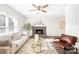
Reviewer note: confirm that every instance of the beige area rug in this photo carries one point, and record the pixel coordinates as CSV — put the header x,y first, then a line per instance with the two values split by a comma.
x,y
27,49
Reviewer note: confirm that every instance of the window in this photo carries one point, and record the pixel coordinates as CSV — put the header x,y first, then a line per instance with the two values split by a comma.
x,y
11,25
7,24
2,23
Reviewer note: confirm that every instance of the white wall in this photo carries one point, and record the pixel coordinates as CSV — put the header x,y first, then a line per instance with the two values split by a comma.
x,y
6,9
51,19
72,20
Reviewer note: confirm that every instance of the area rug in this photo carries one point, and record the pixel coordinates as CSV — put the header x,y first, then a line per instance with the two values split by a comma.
x,y
27,49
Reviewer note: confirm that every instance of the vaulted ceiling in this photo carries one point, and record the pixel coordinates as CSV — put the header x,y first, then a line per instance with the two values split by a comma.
x,y
53,9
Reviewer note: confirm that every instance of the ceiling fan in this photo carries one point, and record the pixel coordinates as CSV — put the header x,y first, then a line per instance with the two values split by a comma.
x,y
39,8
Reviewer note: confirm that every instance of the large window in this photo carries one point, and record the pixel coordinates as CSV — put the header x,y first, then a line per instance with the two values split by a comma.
x,y
7,24
11,25
2,23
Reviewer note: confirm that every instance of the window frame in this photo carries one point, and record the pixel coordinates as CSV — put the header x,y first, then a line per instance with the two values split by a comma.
x,y
7,27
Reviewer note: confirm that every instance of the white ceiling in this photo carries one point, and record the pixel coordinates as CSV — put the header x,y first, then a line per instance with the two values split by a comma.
x,y
53,9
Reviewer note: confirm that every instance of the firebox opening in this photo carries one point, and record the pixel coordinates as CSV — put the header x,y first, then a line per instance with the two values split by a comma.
x,y
39,31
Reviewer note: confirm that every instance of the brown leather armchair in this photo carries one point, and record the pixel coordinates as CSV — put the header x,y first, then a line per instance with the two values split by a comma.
x,y
65,41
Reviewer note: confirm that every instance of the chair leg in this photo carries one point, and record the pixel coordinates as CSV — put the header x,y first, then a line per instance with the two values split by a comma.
x,y
76,51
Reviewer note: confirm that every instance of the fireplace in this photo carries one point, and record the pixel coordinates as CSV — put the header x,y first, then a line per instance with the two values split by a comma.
x,y
41,30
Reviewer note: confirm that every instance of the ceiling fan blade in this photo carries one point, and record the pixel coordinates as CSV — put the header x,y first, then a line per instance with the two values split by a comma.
x,y
45,6
44,11
34,5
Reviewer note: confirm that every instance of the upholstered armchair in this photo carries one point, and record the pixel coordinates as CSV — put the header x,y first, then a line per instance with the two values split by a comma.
x,y
65,41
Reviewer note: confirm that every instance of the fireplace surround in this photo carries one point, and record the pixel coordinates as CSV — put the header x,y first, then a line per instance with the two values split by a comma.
x,y
41,30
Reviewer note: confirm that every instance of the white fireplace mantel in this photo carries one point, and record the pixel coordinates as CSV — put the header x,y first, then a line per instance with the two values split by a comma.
x,y
39,25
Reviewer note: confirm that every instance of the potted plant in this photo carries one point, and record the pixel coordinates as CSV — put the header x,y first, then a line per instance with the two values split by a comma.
x,y
27,27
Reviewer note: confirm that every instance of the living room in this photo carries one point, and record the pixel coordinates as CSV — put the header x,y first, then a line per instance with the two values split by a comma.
x,y
22,25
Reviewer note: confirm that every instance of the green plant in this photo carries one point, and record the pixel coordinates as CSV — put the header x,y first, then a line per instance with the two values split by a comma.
x,y
27,26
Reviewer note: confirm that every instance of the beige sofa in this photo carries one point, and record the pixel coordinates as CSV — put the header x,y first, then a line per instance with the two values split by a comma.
x,y
15,44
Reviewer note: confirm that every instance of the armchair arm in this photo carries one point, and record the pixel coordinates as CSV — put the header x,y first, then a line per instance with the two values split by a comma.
x,y
5,49
56,40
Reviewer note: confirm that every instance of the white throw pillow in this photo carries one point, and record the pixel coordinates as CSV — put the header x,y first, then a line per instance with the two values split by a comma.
x,y
24,33
16,36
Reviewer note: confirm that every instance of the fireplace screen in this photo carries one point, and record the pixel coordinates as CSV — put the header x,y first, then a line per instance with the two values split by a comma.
x,y
39,31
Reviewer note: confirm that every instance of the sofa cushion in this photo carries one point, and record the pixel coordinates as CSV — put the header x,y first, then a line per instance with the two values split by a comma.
x,y
16,36
67,40
5,41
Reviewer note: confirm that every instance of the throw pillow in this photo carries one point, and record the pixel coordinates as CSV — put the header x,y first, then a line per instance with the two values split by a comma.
x,y
24,33
16,36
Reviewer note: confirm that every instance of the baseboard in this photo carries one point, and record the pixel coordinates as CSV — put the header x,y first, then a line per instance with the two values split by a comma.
x,y
47,36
